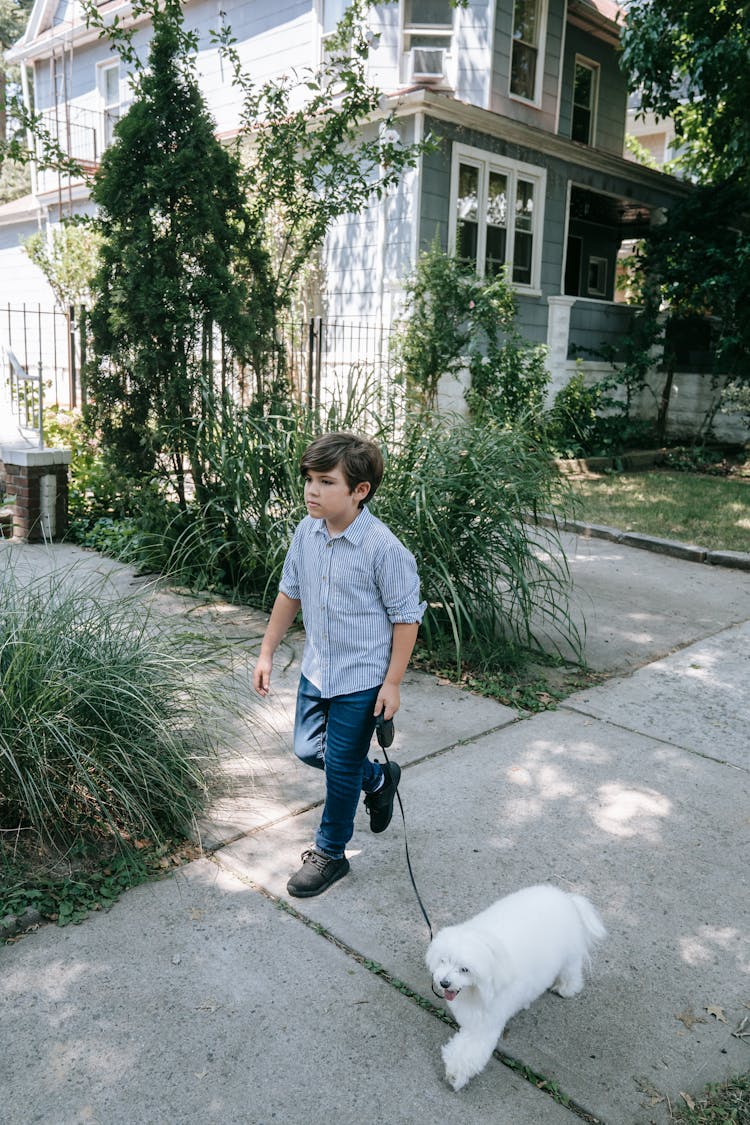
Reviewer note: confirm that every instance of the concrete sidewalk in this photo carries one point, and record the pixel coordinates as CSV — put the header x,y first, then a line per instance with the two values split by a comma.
x,y
198,1000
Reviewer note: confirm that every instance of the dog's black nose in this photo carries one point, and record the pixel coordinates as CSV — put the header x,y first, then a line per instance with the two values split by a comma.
x,y
445,983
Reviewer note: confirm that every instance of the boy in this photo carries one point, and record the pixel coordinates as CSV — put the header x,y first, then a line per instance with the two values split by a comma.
x,y
358,588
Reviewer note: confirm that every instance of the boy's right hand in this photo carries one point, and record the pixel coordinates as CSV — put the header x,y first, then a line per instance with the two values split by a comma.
x,y
262,675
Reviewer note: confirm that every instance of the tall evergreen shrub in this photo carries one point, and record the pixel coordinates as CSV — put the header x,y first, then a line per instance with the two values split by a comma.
x,y
181,256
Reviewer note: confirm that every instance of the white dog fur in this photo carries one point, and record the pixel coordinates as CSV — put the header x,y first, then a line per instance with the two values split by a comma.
x,y
493,965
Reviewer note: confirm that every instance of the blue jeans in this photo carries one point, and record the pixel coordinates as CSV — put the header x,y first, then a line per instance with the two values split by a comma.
x,y
334,735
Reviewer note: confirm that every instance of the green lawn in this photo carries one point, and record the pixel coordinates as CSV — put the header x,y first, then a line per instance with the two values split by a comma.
x,y
709,511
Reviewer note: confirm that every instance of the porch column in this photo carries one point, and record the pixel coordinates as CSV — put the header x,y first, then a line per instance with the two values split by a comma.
x,y
558,331
37,479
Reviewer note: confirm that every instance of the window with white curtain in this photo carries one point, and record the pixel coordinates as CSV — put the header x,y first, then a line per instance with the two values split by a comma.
x,y
497,209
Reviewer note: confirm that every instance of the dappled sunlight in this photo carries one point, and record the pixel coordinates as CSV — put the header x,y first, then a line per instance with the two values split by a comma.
x,y
706,667
624,811
548,781
580,558
703,947
637,638
545,775
538,782
60,979
98,1062
581,750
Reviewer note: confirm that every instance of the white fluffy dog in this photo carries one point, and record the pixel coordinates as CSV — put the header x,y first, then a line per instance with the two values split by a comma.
x,y
493,965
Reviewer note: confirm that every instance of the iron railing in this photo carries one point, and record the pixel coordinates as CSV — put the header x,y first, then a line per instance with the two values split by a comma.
x,y
26,395
343,362
45,341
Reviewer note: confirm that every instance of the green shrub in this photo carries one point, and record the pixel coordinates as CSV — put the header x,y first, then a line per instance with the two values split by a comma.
x,y
457,491
573,418
459,494
97,488
456,320
105,728
588,421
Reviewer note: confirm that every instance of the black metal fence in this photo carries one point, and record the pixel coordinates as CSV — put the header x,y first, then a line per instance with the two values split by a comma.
x,y
335,360
325,360
46,345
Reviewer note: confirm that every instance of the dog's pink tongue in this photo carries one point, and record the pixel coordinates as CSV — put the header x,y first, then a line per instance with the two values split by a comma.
x,y
449,995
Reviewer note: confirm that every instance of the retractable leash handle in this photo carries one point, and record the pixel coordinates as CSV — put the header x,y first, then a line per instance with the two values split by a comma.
x,y
385,731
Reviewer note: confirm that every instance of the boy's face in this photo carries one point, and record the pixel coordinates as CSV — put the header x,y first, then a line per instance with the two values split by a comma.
x,y
328,497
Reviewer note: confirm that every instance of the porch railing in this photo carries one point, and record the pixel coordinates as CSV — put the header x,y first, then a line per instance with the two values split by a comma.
x,y
26,393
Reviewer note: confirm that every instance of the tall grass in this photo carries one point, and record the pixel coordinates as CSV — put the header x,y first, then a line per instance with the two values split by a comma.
x,y
105,729
460,496
456,491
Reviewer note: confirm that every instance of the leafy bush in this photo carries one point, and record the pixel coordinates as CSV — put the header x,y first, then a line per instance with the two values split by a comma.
x,y
509,376
104,727
456,320
588,421
435,336
98,489
574,418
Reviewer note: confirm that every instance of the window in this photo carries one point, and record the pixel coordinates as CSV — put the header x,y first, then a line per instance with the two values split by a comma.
x,y
428,26
526,49
109,89
332,11
585,89
597,279
497,210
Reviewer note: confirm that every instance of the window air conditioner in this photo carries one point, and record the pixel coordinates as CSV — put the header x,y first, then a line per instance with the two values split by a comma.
x,y
427,64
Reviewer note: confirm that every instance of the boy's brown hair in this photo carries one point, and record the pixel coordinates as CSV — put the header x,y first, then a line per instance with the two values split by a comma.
x,y
359,458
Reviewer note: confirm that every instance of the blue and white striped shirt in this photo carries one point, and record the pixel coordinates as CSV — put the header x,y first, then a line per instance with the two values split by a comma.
x,y
354,587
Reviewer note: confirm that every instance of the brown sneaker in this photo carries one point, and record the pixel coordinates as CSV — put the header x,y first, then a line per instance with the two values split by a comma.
x,y
317,873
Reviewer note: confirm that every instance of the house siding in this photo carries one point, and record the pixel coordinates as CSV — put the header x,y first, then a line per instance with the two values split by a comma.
x,y
472,52
594,322
612,99
367,256
544,115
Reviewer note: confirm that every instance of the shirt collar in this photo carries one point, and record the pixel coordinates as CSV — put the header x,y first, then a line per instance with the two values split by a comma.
x,y
356,530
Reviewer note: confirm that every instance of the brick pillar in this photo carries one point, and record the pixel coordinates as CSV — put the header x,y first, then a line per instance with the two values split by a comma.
x,y
38,479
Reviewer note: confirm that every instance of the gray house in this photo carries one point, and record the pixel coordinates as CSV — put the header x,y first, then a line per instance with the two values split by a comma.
x,y
524,96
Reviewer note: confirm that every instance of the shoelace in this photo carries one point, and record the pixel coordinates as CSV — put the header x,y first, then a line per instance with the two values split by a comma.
x,y
317,858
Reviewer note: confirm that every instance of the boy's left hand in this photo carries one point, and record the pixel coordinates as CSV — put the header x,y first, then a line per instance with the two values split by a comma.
x,y
388,700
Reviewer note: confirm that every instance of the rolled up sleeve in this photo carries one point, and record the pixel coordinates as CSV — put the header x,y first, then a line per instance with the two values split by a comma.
x,y
398,582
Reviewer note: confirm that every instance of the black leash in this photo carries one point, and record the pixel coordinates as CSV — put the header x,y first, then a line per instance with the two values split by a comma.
x,y
385,731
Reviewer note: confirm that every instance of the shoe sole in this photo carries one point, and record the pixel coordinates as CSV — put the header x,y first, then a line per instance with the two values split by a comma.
x,y
319,890
394,767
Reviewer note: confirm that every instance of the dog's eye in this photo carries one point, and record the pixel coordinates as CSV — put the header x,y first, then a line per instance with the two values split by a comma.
x,y
463,970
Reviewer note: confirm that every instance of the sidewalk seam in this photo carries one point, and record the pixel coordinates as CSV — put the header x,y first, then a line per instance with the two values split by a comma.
x,y
516,1065
211,849
654,738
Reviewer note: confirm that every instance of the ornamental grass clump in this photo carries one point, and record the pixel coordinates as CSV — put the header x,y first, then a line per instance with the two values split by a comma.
x,y
462,495
105,724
